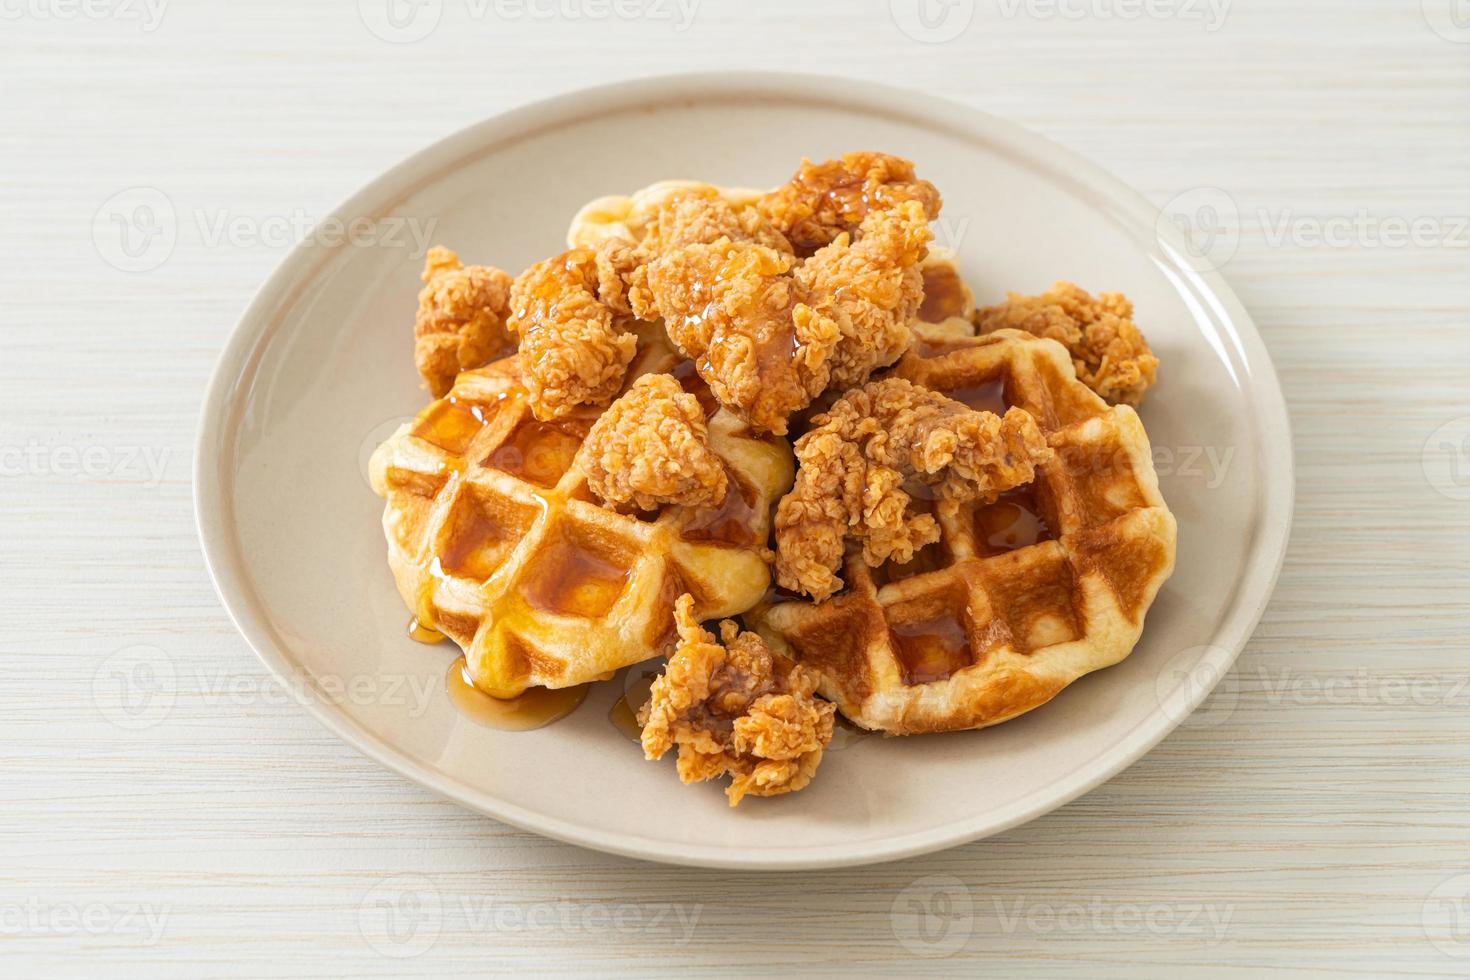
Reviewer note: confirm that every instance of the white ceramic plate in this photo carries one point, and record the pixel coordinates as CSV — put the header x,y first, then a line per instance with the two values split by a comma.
x,y
320,369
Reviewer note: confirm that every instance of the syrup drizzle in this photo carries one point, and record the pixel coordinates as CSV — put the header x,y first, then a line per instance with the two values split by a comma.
x,y
450,424
570,578
932,649
536,708
987,396
538,451
1014,521
944,295
637,683
420,633
732,522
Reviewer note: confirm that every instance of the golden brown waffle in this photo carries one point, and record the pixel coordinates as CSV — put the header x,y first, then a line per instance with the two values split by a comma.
x,y
495,540
948,302
1020,597
627,216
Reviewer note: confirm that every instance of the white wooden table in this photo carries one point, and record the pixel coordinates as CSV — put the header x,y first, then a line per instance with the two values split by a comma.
x,y
1312,819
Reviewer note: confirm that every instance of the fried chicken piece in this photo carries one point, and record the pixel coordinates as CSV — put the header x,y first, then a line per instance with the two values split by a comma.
x,y
461,322
651,447
1107,348
822,200
732,307
768,335
692,216
575,348
871,288
701,215
739,709
865,458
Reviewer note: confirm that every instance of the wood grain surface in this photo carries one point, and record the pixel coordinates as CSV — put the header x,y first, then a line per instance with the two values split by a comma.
x,y
1312,819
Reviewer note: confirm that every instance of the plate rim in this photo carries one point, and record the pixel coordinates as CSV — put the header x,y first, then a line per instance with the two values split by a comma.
x,y
236,368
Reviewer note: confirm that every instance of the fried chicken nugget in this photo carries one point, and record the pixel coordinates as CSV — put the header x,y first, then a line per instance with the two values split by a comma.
x,y
1108,350
823,200
871,289
730,306
864,456
651,447
575,349
738,709
461,321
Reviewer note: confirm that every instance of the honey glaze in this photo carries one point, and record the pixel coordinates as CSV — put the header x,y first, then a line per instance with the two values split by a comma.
x,y
731,523
537,451
420,633
1013,521
536,708
987,396
637,685
451,424
932,649
571,579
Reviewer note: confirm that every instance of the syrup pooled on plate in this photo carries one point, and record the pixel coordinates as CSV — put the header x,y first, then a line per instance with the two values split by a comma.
x,y
536,708
637,684
420,633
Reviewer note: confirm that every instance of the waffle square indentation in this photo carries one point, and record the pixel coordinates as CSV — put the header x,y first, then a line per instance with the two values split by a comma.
x,y
577,572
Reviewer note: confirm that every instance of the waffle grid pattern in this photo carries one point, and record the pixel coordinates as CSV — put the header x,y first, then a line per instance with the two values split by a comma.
x,y
1020,597
495,540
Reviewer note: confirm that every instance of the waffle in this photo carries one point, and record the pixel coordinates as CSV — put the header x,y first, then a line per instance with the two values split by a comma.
x,y
949,305
626,216
1020,597
495,540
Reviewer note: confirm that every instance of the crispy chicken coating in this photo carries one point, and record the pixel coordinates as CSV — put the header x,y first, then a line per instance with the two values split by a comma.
x,y
1107,348
738,709
575,348
691,216
702,215
822,200
871,289
867,456
732,307
651,447
461,322
768,334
